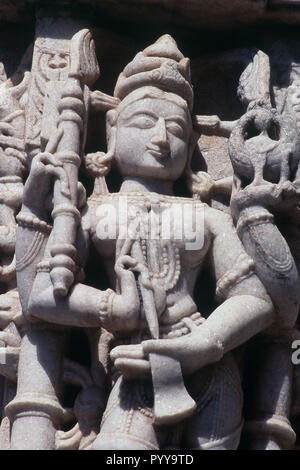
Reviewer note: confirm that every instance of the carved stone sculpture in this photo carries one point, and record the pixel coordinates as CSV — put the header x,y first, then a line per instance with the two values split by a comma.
x,y
151,139
159,365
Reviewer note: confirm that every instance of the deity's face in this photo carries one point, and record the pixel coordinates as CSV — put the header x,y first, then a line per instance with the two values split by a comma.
x,y
152,139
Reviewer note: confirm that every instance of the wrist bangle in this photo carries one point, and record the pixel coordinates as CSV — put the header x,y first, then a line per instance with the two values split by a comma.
x,y
106,306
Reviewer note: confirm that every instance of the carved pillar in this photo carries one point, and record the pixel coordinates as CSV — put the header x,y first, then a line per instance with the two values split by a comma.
x,y
36,411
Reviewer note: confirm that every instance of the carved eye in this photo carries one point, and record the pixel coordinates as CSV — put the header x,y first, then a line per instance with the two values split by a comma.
x,y
176,130
143,122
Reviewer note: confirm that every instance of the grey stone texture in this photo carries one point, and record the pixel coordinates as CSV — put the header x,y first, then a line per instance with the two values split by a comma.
x,y
149,225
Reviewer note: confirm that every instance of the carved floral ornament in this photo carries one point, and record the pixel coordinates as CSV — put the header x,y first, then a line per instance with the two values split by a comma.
x,y
162,374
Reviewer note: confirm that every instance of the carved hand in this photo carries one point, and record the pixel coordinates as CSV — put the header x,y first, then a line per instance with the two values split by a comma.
x,y
272,196
126,305
44,167
193,351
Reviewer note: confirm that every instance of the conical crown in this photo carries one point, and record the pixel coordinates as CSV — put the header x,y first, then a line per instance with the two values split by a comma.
x,y
161,65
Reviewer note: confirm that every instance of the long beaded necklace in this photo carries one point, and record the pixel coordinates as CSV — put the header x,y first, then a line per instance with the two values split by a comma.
x,y
161,255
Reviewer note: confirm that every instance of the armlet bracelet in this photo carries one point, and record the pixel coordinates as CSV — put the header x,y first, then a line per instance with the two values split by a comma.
x,y
31,221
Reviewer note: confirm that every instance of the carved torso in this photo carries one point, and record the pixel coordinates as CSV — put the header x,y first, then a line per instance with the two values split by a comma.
x,y
173,263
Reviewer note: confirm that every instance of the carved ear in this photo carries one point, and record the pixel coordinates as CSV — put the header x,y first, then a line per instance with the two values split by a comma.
x,y
254,85
98,164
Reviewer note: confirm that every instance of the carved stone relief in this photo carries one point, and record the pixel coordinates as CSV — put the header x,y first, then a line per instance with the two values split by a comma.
x,y
160,315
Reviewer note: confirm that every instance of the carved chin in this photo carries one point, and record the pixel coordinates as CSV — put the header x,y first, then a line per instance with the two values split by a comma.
x,y
150,166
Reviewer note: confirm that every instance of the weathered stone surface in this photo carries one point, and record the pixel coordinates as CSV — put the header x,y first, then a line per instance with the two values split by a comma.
x,y
149,225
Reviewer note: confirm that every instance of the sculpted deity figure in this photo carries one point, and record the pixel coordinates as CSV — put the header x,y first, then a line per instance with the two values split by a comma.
x,y
176,383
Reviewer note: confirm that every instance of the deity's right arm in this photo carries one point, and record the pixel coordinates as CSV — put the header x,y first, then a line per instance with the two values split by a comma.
x,y
33,226
34,221
84,306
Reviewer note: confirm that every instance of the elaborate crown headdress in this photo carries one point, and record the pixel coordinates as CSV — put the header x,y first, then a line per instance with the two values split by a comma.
x,y
160,65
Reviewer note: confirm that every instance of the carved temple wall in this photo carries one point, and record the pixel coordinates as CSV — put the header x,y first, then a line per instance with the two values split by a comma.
x,y
58,98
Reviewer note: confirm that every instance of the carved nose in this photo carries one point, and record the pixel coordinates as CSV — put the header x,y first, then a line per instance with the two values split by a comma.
x,y
57,62
160,137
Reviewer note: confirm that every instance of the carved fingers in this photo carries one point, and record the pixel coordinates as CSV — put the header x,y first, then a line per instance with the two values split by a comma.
x,y
131,361
44,167
203,184
125,262
271,196
195,350
123,267
253,195
178,348
126,306
55,168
